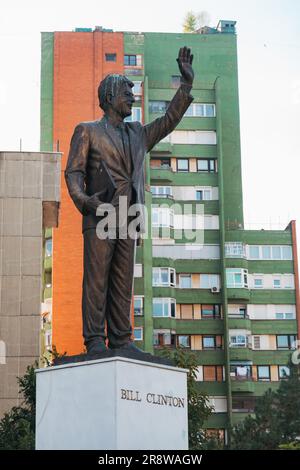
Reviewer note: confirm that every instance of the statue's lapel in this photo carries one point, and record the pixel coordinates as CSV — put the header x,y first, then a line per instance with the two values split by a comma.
x,y
113,136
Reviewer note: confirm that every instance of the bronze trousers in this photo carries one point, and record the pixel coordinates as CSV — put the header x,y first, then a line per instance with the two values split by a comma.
x,y
107,289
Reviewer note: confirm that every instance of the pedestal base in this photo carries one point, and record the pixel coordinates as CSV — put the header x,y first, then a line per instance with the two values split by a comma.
x,y
115,403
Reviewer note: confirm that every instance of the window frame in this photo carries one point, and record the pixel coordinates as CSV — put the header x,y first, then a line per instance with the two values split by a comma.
x,y
210,168
264,379
111,54
188,165
169,301
138,328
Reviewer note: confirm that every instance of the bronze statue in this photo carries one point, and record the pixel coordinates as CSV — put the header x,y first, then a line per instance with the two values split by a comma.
x,y
122,146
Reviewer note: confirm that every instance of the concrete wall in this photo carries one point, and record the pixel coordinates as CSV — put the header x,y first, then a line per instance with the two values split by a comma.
x,y
27,182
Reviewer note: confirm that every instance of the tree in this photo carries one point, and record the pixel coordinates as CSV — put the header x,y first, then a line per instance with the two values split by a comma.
x,y
277,418
193,21
17,427
190,22
199,408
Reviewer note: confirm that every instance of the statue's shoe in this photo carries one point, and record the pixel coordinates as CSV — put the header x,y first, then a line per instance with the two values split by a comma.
x,y
96,348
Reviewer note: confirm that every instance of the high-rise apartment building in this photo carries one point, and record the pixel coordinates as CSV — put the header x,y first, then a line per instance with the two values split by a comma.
x,y
231,297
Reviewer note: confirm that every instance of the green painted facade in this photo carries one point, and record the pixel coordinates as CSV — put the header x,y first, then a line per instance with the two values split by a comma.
x,y
216,81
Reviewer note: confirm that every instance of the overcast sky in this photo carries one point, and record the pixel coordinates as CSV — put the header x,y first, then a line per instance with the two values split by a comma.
x,y
269,81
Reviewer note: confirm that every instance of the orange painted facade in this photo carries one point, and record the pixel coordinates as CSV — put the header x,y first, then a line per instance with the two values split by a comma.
x,y
79,66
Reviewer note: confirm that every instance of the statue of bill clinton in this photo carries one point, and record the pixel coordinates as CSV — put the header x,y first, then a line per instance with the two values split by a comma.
x,y
116,150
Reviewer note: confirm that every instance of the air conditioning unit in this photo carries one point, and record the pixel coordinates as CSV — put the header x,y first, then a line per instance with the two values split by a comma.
x,y
215,290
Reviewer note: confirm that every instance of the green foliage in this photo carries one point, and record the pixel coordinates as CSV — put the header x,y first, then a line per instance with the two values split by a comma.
x,y
17,427
193,21
277,418
199,408
190,22
290,446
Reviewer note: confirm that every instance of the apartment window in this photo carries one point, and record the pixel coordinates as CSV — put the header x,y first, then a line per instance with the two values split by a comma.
x,y
286,341
137,88
254,252
270,252
286,252
111,57
160,163
266,252
235,250
136,115
236,278
238,341
210,311
203,194
164,277
132,60
201,110
285,316
163,307
163,338
138,334
277,283
138,306
237,311
213,373
162,217
207,281
206,166
283,372
185,281
263,373
256,342
240,371
158,107
184,341
208,342
258,282
161,191
48,247
138,270
243,404
182,164
175,81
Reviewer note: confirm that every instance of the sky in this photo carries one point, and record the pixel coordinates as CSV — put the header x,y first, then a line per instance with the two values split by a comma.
x,y
269,81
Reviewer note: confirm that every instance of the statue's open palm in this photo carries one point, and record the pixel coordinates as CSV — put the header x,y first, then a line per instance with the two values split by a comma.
x,y
185,60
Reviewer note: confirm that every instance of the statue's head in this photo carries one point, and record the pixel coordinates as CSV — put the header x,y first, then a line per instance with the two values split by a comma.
x,y
115,91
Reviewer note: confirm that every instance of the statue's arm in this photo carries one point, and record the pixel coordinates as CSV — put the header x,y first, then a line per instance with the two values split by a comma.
x,y
76,167
161,127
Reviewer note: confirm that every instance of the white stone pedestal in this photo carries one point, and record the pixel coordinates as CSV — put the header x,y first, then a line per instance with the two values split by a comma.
x,y
114,403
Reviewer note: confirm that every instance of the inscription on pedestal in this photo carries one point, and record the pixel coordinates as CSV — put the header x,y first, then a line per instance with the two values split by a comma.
x,y
152,398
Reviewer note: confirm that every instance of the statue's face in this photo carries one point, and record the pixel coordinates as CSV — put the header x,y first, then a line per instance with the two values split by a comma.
x,y
123,101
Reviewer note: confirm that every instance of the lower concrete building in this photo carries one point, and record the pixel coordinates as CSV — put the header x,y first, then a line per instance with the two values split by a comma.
x,y
29,204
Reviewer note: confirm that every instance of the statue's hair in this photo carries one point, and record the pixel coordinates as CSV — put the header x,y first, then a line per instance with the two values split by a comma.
x,y
111,84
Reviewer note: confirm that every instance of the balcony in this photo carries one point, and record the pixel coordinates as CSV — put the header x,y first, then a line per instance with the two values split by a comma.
x,y
241,354
242,384
162,174
238,294
239,322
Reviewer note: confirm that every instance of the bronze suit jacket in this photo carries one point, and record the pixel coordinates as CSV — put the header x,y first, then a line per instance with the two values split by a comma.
x,y
95,140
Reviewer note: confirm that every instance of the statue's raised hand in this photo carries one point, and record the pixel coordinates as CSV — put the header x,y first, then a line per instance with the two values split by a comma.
x,y
185,60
